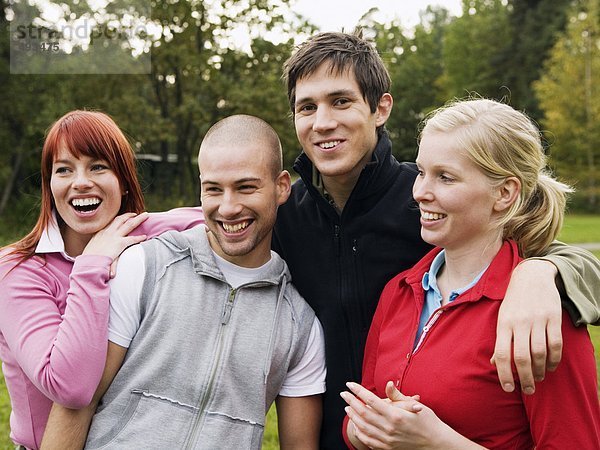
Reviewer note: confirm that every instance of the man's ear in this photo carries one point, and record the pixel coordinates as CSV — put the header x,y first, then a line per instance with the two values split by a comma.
x,y
284,187
384,109
508,192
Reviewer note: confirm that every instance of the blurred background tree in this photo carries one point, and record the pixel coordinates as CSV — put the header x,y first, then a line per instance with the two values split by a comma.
x,y
569,95
210,59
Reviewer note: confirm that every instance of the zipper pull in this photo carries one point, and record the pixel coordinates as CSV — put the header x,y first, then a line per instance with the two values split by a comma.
x,y
432,320
228,308
336,238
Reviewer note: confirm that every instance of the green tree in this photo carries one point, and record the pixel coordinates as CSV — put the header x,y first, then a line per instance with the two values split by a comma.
x,y
414,61
569,96
474,51
21,122
200,74
416,80
534,28
209,59
251,84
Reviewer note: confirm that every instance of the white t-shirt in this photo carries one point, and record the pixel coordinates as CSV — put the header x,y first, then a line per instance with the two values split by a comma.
x,y
306,378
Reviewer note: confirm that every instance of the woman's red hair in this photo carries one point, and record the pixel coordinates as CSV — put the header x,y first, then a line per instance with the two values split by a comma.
x,y
88,133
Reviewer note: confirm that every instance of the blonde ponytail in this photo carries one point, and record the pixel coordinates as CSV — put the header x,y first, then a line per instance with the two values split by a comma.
x,y
537,223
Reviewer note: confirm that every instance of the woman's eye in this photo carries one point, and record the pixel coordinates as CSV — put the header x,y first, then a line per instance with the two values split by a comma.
x,y
61,170
97,167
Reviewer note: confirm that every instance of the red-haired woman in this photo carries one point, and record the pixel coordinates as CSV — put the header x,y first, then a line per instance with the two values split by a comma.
x,y
54,282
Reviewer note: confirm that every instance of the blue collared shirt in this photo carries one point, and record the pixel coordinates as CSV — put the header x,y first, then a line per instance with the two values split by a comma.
x,y
433,297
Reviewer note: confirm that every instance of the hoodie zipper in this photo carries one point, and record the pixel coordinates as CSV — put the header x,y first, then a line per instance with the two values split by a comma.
x,y
204,401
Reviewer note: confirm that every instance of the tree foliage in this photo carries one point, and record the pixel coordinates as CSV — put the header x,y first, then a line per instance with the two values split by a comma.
x,y
474,50
414,61
534,28
569,96
210,59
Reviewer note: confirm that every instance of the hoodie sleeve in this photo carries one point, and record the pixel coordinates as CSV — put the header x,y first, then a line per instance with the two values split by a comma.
x,y
62,354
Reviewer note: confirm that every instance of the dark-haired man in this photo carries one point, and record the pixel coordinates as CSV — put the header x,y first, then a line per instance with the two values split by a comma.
x,y
351,224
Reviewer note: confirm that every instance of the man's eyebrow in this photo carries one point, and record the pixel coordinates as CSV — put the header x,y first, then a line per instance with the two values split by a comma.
x,y
247,180
240,181
337,93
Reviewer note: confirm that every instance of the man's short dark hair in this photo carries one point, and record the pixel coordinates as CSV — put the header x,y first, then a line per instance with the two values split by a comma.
x,y
343,52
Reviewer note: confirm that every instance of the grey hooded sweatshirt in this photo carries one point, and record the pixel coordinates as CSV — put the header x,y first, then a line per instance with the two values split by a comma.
x,y
207,360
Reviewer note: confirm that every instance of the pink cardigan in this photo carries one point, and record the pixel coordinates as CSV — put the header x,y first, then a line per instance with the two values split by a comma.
x,y
53,325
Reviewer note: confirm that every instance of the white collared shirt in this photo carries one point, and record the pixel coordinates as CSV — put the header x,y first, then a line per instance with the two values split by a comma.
x,y
51,240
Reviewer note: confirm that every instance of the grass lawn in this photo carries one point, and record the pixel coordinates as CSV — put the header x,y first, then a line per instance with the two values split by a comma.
x,y
580,228
5,442
576,229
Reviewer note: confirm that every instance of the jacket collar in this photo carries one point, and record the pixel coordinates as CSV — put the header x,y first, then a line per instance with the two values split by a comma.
x,y
377,175
196,241
492,284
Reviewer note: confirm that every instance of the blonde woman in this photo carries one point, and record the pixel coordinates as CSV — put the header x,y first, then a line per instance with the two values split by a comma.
x,y
486,201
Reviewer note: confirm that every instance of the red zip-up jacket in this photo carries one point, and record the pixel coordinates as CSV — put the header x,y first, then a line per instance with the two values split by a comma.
x,y
451,371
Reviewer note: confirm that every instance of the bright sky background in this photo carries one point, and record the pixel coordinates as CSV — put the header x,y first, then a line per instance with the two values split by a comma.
x,y
332,15
328,15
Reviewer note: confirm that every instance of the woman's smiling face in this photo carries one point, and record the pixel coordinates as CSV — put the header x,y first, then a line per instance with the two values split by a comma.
x,y
455,197
87,195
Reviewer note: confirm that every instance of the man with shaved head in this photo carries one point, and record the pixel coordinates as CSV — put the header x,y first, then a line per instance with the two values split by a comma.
x,y
206,329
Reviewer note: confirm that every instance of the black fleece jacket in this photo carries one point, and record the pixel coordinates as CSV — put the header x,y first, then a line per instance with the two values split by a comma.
x,y
340,263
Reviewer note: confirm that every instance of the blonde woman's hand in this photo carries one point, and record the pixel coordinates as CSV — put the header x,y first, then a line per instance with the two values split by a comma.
x,y
397,422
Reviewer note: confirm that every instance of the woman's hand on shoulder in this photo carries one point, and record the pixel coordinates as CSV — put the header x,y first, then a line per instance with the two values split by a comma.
x,y
114,238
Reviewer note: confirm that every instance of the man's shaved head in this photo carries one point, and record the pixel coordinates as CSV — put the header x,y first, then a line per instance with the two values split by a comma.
x,y
241,130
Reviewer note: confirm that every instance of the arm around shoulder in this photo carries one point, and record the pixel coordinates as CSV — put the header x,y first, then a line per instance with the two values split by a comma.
x,y
579,272
178,219
530,316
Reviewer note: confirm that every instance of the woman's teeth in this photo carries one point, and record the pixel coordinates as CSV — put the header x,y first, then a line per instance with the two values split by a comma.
x,y
432,216
85,204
